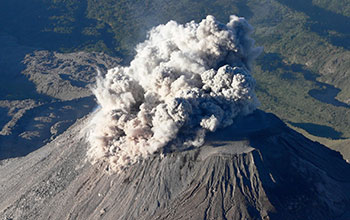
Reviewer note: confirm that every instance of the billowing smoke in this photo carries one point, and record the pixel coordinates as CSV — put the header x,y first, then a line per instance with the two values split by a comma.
x,y
185,80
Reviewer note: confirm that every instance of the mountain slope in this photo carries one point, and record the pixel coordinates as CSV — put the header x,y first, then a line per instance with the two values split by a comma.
x,y
256,169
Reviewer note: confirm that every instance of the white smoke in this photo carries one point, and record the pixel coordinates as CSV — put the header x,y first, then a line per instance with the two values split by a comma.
x,y
185,80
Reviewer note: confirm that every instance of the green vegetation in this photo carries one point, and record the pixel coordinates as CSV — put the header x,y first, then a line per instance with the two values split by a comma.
x,y
55,25
283,90
301,38
339,6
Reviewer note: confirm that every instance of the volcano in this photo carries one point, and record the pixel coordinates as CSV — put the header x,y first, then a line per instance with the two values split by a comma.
x,y
178,135
257,168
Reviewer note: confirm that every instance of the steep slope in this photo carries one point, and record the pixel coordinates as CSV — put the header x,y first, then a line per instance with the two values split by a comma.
x,y
256,169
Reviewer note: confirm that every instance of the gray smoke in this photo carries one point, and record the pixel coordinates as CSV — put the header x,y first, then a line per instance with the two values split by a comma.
x,y
185,80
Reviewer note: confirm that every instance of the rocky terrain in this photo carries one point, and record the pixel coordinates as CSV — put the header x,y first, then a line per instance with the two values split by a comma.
x,y
43,93
65,76
256,169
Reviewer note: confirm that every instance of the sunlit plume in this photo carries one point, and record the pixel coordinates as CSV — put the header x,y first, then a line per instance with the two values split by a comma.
x,y
184,81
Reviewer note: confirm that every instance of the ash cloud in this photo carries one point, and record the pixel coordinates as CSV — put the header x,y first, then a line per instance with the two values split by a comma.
x,y
184,81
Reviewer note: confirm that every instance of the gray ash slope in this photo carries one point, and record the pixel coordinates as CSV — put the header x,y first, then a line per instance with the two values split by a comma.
x,y
256,169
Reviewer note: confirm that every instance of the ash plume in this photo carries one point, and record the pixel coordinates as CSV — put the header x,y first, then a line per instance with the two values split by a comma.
x,y
185,80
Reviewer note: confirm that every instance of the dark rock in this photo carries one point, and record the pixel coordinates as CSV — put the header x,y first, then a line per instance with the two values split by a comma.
x,y
65,76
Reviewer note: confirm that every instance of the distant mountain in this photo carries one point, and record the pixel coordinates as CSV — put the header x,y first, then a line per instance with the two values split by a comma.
x,y
256,169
